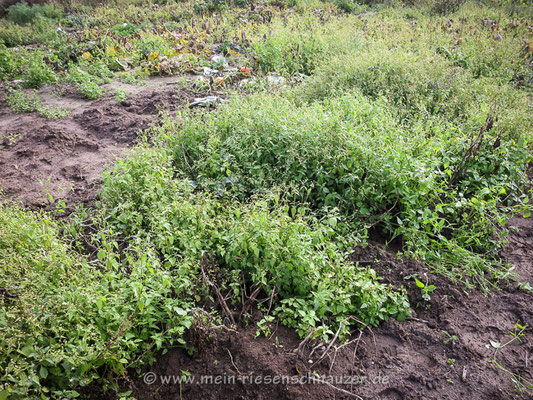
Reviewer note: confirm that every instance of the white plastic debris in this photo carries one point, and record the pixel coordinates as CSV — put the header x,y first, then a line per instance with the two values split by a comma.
x,y
206,71
205,101
275,79
218,59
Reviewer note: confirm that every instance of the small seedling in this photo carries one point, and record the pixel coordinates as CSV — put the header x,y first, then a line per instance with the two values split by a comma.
x,y
264,326
450,338
522,385
120,95
425,288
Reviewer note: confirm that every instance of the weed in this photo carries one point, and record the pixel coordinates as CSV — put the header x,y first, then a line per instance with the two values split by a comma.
x,y
69,305
374,129
53,112
38,74
522,385
425,288
264,326
87,84
449,338
22,13
121,95
21,102
125,29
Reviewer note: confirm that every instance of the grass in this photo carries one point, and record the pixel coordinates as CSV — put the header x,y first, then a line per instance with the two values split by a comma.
x,y
413,120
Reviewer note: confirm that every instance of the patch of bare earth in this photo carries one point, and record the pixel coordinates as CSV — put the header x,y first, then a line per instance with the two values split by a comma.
x,y
65,158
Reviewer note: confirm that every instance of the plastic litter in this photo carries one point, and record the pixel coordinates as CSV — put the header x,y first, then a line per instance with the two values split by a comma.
x,y
205,101
275,79
218,59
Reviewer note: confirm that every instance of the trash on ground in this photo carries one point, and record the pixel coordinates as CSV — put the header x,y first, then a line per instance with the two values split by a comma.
x,y
205,101
275,79
218,59
206,71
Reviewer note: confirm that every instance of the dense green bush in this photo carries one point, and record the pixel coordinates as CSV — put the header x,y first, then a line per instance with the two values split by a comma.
x,y
37,73
85,322
350,153
22,13
40,31
300,45
12,34
262,243
7,64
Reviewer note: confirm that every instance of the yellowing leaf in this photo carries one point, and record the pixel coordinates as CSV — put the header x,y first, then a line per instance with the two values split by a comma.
x,y
153,56
171,53
87,56
110,51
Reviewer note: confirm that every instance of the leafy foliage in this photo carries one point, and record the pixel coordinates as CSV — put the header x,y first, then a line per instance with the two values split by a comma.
x,y
80,318
373,128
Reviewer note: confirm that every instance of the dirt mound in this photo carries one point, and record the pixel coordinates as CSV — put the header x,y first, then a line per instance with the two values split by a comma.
x,y
442,352
520,249
49,160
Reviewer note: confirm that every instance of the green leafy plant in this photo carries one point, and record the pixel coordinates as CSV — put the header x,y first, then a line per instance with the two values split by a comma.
x,y
88,85
81,319
522,385
120,95
22,13
38,74
425,288
21,102
53,112
124,29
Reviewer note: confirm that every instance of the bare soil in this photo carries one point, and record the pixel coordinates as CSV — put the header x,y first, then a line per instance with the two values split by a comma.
x,y
65,158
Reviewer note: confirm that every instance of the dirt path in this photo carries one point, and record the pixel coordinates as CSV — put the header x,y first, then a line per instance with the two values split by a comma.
x,y
65,158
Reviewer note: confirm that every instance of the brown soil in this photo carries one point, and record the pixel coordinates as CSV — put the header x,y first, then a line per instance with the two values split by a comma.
x,y
442,352
65,158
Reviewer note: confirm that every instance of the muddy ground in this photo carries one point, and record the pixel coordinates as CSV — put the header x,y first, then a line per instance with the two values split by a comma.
x,y
65,158
442,352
